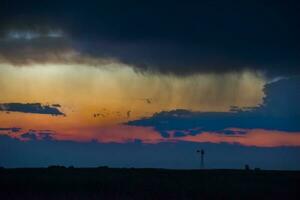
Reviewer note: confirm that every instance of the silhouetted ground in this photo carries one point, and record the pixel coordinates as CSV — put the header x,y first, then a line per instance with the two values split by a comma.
x,y
143,184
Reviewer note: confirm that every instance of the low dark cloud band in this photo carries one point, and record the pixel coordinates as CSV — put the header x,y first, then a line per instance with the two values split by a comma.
x,y
36,108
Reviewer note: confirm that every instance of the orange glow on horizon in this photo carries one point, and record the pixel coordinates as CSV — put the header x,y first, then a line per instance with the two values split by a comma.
x,y
147,135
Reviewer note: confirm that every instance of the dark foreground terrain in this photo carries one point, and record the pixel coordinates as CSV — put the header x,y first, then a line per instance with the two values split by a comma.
x,y
106,183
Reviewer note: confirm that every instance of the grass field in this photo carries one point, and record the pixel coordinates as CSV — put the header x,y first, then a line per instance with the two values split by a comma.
x,y
108,183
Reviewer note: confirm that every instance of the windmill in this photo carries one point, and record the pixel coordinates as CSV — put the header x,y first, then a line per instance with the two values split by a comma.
x,y
202,158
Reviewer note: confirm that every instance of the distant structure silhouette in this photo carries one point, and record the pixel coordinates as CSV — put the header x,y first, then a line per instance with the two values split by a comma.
x,y
247,167
202,158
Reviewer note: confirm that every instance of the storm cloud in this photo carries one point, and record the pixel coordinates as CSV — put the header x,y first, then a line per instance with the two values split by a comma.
x,y
280,110
164,37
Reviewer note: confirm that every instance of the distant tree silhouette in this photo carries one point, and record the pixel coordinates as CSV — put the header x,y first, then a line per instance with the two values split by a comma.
x,y
103,167
56,167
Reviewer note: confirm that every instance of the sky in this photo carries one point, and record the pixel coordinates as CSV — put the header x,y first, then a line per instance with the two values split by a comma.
x,y
147,84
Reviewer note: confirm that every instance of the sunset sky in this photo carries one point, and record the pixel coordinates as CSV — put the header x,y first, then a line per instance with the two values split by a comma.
x,y
130,84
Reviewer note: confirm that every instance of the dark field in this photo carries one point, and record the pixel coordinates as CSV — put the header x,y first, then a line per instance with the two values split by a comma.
x,y
106,183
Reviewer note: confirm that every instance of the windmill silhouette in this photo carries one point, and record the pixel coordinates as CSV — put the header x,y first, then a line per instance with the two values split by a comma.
x,y
202,158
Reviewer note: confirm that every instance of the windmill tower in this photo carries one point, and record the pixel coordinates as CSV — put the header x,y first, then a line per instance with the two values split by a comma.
x,y
201,152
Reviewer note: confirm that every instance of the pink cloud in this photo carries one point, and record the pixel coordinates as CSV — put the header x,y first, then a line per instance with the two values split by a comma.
x,y
124,134
253,137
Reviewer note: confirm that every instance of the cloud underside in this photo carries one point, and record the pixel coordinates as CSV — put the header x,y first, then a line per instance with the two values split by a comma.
x,y
168,37
280,111
35,108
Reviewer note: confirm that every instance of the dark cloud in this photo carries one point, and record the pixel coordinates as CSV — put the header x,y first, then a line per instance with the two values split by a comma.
x,y
161,36
147,100
38,50
12,129
25,48
38,135
29,135
46,135
37,108
103,115
280,111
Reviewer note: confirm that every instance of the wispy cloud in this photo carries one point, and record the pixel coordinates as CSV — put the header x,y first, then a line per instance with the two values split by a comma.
x,y
31,34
